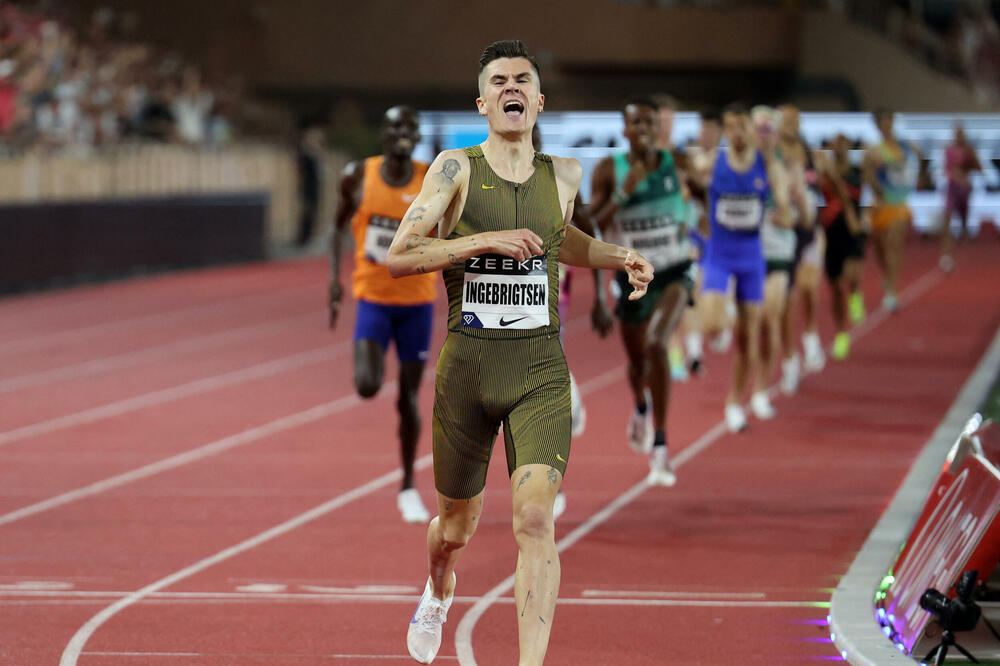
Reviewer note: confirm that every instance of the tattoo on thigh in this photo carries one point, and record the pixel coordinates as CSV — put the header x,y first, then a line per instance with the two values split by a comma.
x,y
553,475
524,477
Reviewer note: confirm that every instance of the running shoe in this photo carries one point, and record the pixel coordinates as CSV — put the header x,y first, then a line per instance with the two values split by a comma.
x,y
791,371
640,428
815,359
760,405
736,418
678,368
841,346
423,637
411,507
856,307
559,505
661,472
720,344
890,303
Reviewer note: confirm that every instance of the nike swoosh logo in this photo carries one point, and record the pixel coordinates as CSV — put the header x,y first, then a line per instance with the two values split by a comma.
x,y
486,187
504,322
560,458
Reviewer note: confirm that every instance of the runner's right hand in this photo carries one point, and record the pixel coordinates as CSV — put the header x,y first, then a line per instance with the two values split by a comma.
x,y
520,244
335,293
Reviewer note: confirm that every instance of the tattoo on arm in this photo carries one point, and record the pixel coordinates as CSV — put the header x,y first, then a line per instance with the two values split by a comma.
x,y
553,475
450,169
455,261
414,241
524,477
416,214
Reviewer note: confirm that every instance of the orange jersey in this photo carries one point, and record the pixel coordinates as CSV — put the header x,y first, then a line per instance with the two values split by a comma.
x,y
373,227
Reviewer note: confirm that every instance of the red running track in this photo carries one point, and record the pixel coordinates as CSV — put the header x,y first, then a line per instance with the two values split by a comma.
x,y
186,477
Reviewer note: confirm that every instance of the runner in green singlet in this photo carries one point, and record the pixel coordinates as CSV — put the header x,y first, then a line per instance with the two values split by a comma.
x,y
494,218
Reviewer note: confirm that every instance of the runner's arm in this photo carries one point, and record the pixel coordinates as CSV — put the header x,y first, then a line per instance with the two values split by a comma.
x,y
414,251
579,249
778,179
350,186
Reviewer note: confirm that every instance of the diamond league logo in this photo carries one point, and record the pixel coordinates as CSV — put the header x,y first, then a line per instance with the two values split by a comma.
x,y
468,318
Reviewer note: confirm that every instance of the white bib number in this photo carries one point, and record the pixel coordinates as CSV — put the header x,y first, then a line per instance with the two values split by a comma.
x,y
378,238
778,242
741,213
500,292
660,240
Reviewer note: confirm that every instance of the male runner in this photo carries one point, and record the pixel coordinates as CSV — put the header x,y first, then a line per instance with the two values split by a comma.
x,y
741,179
778,245
890,169
810,247
500,212
960,161
840,182
701,160
636,197
374,195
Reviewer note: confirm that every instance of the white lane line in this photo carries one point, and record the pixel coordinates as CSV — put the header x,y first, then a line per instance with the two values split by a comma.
x,y
256,655
463,634
268,369
226,443
153,354
210,310
72,651
652,594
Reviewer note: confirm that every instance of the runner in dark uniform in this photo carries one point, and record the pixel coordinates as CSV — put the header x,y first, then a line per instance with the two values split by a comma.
x,y
840,182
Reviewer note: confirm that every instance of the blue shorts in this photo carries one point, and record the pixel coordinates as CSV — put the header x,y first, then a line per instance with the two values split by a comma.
x,y
408,325
749,278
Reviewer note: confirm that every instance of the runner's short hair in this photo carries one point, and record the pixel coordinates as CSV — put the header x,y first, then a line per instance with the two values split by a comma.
x,y
507,48
640,100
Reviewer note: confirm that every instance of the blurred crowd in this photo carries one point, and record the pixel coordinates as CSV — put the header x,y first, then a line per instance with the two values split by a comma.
x,y
960,37
84,84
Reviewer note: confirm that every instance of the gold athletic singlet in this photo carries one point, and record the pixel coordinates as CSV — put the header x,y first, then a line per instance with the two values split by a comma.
x,y
502,362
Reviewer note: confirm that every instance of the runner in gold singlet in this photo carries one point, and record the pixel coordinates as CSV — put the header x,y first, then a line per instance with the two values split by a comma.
x,y
500,212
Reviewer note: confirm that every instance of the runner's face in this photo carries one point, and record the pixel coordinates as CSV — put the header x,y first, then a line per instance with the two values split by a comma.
x,y
789,121
711,133
509,95
885,124
841,147
736,127
400,134
641,126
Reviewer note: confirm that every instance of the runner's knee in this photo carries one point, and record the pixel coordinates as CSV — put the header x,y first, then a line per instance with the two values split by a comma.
x,y
532,522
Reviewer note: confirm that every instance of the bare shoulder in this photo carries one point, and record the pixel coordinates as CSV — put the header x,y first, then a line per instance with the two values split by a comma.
x,y
450,164
568,169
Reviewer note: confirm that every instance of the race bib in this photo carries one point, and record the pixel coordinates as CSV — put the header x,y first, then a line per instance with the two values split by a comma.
x,y
658,239
500,292
378,238
739,212
778,242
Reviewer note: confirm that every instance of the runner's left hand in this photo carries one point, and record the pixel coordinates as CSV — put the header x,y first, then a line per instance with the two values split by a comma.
x,y
640,274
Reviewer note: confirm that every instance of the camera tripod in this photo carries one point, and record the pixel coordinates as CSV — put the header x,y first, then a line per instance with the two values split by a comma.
x,y
941,649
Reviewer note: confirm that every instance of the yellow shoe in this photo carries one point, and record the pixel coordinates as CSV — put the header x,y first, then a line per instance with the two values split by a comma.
x,y
841,346
856,307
